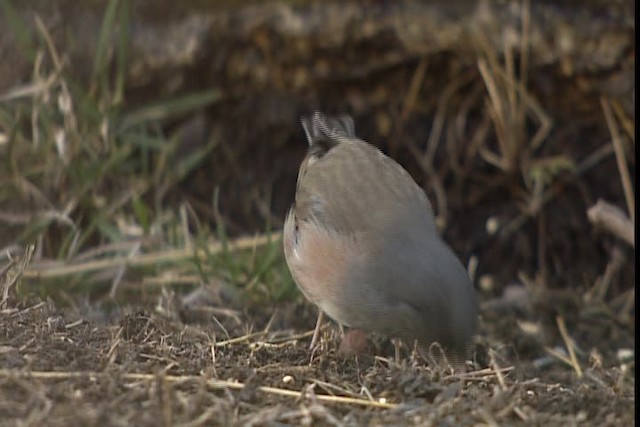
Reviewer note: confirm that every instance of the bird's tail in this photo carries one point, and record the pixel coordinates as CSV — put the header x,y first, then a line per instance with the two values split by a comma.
x,y
319,127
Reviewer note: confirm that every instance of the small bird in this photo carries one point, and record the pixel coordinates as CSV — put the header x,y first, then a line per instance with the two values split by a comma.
x,y
361,244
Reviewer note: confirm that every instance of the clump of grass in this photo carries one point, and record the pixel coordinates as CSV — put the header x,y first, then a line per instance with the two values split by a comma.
x,y
85,176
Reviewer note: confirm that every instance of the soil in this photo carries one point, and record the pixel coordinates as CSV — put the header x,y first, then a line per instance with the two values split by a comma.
x,y
144,366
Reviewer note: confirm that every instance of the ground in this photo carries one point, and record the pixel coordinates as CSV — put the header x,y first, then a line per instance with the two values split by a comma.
x,y
140,366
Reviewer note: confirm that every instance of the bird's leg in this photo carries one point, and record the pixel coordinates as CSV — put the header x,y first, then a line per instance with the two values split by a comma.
x,y
353,343
316,332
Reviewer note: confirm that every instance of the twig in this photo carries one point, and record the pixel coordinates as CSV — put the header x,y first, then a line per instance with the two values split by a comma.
x,y
555,353
525,19
569,344
628,124
612,219
30,89
414,89
551,192
480,375
10,277
238,340
316,331
545,122
217,384
623,169
496,368
497,112
213,360
330,388
426,158
16,313
409,103
600,289
171,279
42,270
292,338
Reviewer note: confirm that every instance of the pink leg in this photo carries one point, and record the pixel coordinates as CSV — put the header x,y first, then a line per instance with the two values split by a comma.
x,y
353,343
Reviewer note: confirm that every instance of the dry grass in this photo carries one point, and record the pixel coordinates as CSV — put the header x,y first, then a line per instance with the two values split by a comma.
x,y
88,211
86,180
179,373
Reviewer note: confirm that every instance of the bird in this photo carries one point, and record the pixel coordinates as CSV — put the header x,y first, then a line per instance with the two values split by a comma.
x,y
361,244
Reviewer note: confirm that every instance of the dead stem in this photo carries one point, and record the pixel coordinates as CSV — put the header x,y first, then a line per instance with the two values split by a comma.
x,y
12,273
601,287
612,219
42,270
551,192
178,379
623,169
627,123
496,369
568,341
408,105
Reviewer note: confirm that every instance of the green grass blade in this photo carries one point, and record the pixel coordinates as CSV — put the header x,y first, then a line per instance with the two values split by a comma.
x,y
142,214
171,108
102,47
122,52
19,28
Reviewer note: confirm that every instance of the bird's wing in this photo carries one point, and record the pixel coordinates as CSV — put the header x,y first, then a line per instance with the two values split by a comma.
x,y
350,186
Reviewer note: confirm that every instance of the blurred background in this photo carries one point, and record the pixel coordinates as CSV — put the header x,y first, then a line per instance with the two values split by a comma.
x,y
144,143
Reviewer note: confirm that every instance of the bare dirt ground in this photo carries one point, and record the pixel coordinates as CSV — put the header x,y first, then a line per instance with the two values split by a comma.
x,y
132,367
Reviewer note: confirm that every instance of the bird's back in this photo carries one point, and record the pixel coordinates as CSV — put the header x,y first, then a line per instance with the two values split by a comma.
x,y
394,274
349,186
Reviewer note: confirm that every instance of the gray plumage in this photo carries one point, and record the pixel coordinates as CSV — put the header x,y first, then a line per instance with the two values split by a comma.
x,y
361,243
